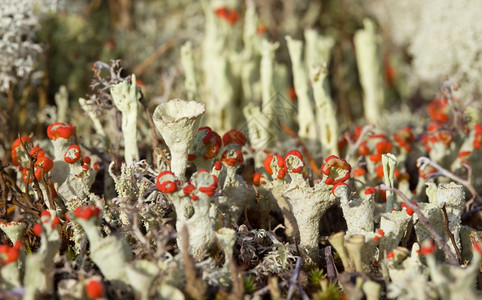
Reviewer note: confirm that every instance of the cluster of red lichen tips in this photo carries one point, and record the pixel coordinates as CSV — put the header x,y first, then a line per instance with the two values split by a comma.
x,y
87,212
10,254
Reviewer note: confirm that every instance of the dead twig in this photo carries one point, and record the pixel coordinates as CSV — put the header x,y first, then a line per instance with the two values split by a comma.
x,y
5,191
451,236
294,281
31,173
146,63
267,288
294,278
331,271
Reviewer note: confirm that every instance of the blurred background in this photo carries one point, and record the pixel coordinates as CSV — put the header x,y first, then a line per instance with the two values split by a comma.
x,y
47,44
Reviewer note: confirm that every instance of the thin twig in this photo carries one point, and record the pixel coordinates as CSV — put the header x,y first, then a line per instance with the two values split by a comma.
x,y
31,173
146,63
13,184
294,278
302,292
27,209
423,162
3,210
408,232
451,236
305,150
331,271
438,239
137,232
265,289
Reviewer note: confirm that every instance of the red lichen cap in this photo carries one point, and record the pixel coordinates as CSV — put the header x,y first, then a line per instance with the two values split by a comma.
x,y
218,165
37,152
206,144
379,171
477,247
275,163
234,137
55,222
477,143
370,190
363,149
43,166
261,29
167,182
337,170
258,179
404,137
292,93
463,154
94,289
9,254
428,248
23,139
72,155
294,161
438,110
24,172
206,184
60,130
17,145
359,172
87,212
212,142
37,229
232,157
408,209
188,188
383,147
228,15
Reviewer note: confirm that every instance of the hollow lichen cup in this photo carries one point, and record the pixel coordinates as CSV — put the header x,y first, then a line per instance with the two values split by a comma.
x,y
177,121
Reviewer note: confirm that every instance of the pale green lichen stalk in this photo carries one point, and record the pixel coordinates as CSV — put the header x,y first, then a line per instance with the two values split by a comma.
x,y
187,61
306,118
177,121
367,43
126,96
454,282
389,162
325,110
307,205
40,265
270,103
